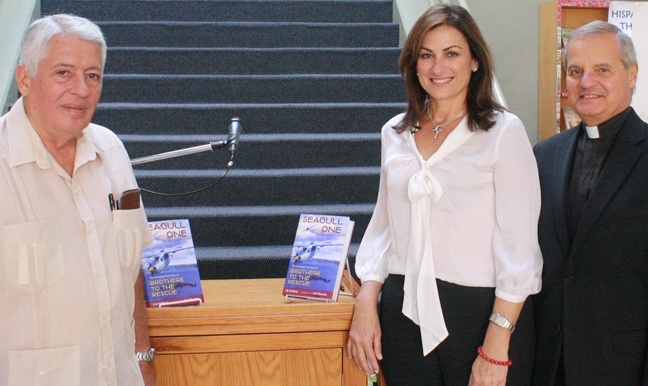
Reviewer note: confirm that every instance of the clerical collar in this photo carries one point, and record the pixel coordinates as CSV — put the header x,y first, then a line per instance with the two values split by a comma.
x,y
609,128
592,132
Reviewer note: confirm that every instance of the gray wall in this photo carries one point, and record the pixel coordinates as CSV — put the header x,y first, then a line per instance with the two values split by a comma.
x,y
511,29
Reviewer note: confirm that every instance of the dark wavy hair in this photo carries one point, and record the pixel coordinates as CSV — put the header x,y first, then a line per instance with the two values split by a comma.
x,y
480,102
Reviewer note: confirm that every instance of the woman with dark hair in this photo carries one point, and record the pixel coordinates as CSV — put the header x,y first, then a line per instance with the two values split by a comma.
x,y
451,249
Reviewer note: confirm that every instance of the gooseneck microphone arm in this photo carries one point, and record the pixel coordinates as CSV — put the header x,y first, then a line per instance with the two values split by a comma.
x,y
235,128
177,153
231,142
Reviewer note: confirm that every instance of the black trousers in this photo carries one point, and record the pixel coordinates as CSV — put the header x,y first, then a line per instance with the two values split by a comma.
x,y
466,311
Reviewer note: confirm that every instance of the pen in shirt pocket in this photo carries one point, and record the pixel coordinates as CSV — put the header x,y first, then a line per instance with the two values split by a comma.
x,y
111,201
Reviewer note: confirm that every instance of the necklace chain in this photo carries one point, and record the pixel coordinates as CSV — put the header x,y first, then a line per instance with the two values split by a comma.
x,y
438,127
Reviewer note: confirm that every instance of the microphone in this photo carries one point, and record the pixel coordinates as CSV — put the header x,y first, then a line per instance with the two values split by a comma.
x,y
235,128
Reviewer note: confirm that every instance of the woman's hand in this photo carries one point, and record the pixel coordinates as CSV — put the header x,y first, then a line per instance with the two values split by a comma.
x,y
496,346
364,345
487,374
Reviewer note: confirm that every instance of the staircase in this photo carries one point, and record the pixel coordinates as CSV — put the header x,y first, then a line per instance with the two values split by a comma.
x,y
312,81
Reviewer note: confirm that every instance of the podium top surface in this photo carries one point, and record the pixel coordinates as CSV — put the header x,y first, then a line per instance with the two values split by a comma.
x,y
246,306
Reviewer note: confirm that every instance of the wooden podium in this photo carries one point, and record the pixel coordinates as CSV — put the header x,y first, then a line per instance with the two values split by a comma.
x,y
247,333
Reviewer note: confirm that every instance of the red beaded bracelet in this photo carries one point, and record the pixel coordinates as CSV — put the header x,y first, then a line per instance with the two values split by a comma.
x,y
491,360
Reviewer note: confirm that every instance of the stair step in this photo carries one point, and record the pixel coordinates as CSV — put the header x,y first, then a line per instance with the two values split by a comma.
x,y
297,151
314,186
374,88
263,262
313,82
267,261
349,11
208,34
189,118
232,226
252,61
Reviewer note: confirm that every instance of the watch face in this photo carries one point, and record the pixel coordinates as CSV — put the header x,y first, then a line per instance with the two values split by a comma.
x,y
502,321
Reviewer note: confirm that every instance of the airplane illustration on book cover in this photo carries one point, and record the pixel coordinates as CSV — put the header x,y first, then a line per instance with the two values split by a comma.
x,y
318,256
170,267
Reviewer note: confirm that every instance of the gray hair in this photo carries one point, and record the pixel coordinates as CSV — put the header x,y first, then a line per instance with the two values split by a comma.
x,y
626,48
39,33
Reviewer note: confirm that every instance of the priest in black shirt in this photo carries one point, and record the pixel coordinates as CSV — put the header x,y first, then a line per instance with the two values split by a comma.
x,y
592,313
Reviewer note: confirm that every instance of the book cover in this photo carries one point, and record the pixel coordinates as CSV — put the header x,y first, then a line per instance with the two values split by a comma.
x,y
169,266
318,257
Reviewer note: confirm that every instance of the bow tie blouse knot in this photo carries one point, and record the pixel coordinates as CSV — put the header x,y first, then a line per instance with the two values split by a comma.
x,y
424,184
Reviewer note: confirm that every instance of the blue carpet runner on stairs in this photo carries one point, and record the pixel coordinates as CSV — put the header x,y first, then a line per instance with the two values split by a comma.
x,y
313,82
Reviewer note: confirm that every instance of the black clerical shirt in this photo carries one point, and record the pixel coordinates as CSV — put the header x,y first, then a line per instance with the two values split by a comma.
x,y
589,159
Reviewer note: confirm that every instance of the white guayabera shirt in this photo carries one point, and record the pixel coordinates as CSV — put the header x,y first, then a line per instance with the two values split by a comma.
x,y
68,264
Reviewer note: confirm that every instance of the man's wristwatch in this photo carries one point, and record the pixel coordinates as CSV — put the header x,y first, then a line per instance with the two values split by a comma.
x,y
146,356
502,321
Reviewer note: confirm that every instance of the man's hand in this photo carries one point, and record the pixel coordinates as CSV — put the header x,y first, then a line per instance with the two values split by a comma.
x,y
142,342
148,373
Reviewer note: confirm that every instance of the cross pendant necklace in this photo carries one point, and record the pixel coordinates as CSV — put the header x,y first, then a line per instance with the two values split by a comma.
x,y
438,127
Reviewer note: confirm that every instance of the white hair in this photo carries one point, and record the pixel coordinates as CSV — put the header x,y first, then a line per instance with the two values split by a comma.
x,y
34,47
626,48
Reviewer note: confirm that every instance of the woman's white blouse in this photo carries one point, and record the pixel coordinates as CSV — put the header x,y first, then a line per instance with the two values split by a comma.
x,y
467,215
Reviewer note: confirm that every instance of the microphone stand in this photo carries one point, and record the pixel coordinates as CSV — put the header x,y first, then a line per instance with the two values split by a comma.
x,y
234,128
190,150
177,153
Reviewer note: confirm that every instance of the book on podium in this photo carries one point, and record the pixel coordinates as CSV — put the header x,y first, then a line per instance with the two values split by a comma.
x,y
170,267
319,257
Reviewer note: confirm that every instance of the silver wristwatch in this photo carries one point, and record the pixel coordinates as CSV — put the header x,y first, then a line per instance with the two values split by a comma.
x,y
502,321
146,356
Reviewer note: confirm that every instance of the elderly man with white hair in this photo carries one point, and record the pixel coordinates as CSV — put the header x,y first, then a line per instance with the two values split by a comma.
x,y
71,291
